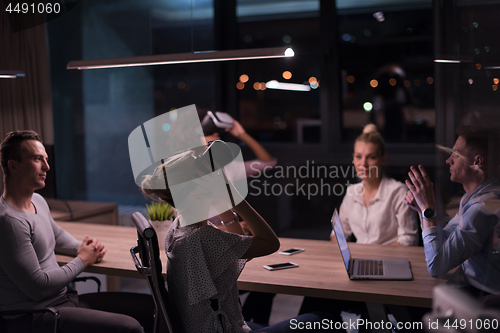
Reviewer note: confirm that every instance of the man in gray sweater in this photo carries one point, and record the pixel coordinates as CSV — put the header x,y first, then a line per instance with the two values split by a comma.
x,y
30,276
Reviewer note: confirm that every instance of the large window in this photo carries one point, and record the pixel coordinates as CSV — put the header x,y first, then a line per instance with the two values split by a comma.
x,y
384,71
279,114
479,71
385,54
386,59
182,28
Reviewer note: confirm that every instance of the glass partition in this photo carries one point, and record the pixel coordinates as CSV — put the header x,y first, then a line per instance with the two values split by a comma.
x,y
387,70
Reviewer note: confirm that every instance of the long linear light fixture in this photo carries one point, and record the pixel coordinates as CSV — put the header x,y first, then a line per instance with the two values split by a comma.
x,y
273,84
447,61
183,58
452,60
11,74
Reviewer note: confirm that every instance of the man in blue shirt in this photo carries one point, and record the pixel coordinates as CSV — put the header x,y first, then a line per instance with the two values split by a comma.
x,y
467,241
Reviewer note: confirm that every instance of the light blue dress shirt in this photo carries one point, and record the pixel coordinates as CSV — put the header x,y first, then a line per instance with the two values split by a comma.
x,y
467,240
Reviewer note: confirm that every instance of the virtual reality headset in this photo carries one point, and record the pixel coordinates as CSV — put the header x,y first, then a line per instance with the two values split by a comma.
x,y
216,122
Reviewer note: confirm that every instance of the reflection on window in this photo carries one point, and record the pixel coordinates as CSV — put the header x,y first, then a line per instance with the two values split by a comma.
x,y
387,69
182,27
479,77
278,100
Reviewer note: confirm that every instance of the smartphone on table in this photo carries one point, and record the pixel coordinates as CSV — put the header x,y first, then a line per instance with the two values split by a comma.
x,y
285,265
291,251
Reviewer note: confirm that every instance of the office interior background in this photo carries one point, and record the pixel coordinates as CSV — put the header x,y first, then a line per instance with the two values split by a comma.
x,y
434,63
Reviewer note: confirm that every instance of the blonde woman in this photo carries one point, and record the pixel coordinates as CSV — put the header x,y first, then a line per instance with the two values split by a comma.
x,y
373,210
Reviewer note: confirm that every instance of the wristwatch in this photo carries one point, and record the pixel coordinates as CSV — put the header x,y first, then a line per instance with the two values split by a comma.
x,y
428,213
235,219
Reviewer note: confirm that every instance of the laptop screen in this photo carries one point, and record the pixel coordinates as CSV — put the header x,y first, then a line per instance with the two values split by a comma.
x,y
341,240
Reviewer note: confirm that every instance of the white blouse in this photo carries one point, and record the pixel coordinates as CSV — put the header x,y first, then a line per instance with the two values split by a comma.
x,y
385,220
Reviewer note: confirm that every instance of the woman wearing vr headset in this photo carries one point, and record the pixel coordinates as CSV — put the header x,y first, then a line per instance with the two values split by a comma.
x,y
204,262
216,124
258,305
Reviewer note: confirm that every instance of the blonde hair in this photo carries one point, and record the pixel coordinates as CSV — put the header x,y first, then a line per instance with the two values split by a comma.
x,y
156,187
371,135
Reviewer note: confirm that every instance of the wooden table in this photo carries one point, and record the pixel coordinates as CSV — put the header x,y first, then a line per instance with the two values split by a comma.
x,y
320,273
87,212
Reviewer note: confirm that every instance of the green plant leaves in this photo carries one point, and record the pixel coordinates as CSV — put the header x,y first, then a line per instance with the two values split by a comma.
x,y
160,211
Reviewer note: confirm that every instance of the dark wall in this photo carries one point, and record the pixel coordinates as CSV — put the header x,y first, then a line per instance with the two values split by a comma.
x,y
95,110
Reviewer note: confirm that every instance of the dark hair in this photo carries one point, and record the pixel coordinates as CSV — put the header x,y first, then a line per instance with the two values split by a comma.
x,y
483,141
476,138
10,148
371,135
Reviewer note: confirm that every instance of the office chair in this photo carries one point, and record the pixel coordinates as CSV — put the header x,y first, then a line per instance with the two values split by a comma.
x,y
150,266
51,310
84,279
455,311
54,312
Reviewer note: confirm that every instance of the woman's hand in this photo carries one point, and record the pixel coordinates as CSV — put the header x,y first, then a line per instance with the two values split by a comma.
x,y
237,130
421,188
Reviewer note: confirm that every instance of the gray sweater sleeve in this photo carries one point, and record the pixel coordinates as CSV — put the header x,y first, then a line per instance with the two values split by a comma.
x,y
28,258
65,242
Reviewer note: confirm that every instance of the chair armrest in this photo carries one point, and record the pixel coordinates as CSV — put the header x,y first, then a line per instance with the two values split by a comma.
x,y
54,312
20,312
146,271
93,278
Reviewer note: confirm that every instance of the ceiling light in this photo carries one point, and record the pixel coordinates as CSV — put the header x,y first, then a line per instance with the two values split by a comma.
x,y
447,61
11,74
273,84
452,59
183,58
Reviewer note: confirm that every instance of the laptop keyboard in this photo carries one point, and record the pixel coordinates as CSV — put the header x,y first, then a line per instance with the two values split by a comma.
x,y
370,267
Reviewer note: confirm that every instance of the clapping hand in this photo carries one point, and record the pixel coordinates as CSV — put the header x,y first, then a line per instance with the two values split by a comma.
x,y
421,193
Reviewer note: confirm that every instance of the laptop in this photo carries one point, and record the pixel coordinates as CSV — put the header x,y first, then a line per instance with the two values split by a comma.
x,y
372,269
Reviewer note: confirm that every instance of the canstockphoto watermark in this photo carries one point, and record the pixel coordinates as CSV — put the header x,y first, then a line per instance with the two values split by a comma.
x,y
327,324
306,180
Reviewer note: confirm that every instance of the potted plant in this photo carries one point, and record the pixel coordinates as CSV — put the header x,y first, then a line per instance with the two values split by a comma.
x,y
161,216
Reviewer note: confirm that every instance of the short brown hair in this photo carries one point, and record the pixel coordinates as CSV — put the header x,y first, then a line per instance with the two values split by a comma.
x,y
10,148
483,141
476,138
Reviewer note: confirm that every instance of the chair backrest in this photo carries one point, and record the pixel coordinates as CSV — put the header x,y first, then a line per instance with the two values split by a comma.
x,y
451,306
150,266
